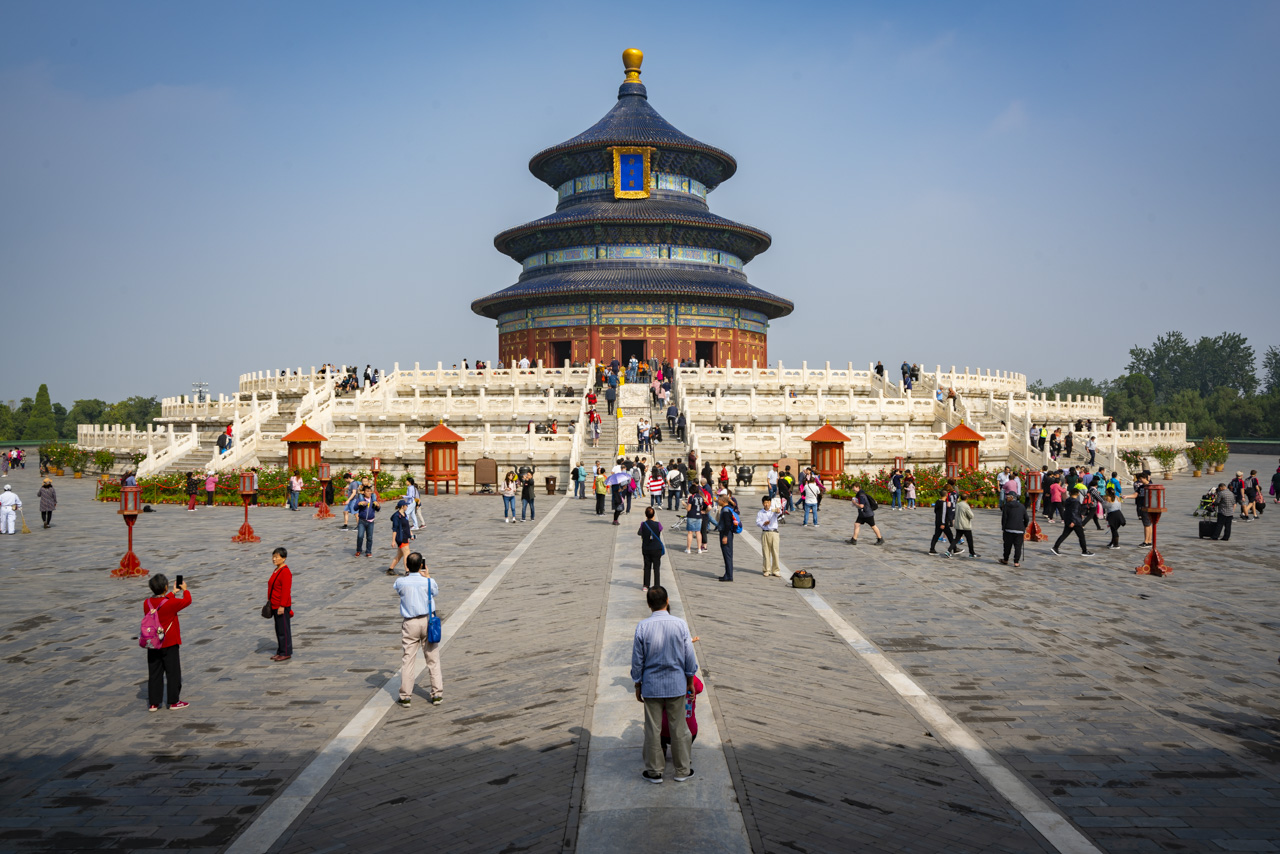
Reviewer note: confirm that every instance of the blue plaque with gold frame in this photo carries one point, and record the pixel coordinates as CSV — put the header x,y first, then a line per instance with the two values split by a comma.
x,y
631,172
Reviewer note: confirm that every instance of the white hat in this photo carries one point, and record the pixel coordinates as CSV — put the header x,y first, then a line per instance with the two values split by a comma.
x,y
8,488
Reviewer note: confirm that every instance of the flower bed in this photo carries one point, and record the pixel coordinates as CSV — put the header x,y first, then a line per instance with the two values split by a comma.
x,y
273,487
976,485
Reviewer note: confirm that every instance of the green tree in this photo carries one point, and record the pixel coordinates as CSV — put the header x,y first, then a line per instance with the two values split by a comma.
x,y
1072,385
85,412
1224,361
20,415
1133,399
60,422
6,423
1167,363
1188,407
1241,416
1271,370
41,425
135,410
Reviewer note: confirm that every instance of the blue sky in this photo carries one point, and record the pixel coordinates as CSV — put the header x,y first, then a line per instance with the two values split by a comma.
x,y
215,188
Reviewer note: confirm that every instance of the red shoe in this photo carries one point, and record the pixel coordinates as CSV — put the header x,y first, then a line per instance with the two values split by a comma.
x,y
181,705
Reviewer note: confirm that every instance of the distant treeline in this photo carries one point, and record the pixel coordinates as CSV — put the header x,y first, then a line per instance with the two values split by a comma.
x,y
37,419
1211,386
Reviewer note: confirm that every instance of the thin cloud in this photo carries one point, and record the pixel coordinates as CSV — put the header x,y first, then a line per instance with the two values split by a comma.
x,y
1011,120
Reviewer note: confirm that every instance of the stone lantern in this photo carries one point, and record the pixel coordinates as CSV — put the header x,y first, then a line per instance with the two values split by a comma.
x,y
130,507
441,446
827,452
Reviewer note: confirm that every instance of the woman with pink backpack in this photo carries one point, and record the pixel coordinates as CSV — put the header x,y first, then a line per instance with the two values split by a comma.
x,y
161,635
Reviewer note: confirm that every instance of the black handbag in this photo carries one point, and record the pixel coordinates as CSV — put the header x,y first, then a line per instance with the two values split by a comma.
x,y
267,611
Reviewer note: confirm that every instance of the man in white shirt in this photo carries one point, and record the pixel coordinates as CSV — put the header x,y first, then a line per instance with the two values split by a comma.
x,y
524,363
773,480
767,522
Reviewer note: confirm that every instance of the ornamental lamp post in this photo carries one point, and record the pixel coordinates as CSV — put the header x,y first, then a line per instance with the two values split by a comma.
x,y
899,463
953,471
375,466
1034,491
130,507
1153,563
322,508
246,534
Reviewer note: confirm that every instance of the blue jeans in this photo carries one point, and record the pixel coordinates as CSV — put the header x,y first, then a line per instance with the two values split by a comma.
x,y
773,490
508,506
364,529
897,498
293,504
789,503
525,504
810,508
655,499
578,488
674,494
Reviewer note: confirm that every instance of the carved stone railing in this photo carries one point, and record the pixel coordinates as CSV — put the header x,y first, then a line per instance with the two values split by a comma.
x,y
158,460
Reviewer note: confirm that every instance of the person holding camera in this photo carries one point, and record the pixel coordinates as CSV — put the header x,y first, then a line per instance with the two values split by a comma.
x,y
280,598
417,592
165,663
366,507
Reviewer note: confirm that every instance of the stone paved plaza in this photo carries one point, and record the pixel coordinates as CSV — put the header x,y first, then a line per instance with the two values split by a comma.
x,y
1140,710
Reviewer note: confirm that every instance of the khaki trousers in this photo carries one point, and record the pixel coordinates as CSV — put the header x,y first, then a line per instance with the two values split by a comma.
x,y
413,634
677,726
769,551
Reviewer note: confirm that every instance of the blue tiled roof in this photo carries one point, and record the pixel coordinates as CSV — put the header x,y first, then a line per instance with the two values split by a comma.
x,y
632,121
616,280
664,218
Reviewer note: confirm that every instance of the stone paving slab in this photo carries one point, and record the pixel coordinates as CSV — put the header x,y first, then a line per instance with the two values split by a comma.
x,y
1143,708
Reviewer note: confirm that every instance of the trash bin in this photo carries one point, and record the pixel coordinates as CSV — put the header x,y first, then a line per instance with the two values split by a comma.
x,y
551,485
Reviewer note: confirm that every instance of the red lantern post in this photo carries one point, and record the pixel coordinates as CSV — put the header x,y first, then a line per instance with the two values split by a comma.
x,y
130,507
1034,534
322,509
953,471
899,463
247,491
1153,563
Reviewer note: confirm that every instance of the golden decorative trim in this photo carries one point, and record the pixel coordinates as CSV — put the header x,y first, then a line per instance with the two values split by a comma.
x,y
619,193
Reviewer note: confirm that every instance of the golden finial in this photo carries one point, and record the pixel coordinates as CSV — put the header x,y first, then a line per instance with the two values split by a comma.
x,y
631,59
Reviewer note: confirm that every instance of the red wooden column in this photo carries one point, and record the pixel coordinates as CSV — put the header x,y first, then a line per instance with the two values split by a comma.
x,y
827,453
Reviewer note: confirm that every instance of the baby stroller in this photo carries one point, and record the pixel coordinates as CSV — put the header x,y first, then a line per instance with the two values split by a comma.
x,y
1208,505
744,475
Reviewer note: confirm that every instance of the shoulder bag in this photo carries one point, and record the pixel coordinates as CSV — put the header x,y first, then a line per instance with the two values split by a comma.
x,y
656,537
433,621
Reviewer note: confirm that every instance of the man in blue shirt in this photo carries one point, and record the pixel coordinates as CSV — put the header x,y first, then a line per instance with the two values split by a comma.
x,y
662,667
366,508
417,603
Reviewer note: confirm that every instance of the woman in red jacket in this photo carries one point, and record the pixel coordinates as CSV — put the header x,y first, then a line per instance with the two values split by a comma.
x,y
164,662
280,598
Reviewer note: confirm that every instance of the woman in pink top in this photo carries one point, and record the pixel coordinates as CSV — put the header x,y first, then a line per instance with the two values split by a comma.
x,y
1056,493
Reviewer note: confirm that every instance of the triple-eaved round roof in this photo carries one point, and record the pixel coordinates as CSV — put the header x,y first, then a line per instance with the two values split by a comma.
x,y
591,218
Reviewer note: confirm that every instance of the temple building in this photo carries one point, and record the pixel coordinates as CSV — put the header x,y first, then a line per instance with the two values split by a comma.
x,y
633,262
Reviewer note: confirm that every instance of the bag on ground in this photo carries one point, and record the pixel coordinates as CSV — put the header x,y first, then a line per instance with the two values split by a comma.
x,y
803,580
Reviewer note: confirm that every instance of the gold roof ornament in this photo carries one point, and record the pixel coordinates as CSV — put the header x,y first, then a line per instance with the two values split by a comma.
x,y
631,59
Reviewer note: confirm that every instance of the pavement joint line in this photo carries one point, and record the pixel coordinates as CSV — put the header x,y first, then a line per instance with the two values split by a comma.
x,y
687,808
1052,825
272,823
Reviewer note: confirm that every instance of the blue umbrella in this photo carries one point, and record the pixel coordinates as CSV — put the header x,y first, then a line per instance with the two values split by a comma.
x,y
617,478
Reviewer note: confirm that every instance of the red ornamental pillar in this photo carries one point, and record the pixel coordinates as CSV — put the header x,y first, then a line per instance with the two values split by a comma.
x,y
130,507
322,509
247,491
1034,534
953,471
899,463
1153,563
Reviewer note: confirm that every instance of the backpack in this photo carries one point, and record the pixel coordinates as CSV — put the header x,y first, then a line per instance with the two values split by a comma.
x,y
737,521
150,632
871,503
803,580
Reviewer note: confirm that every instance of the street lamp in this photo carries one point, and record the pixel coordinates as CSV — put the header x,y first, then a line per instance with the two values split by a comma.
x,y
246,534
130,507
1153,563
1034,534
